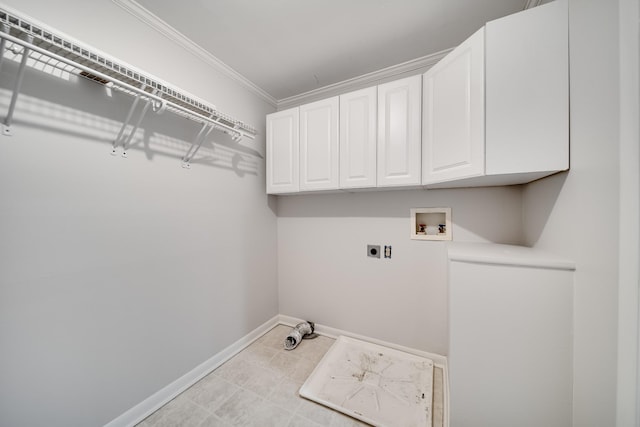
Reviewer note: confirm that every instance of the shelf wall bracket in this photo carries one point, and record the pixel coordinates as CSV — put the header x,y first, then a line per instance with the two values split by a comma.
x,y
196,144
126,123
125,144
6,125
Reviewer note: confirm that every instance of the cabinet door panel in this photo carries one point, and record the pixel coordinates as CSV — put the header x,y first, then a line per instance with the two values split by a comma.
x,y
453,123
319,145
399,143
358,139
282,151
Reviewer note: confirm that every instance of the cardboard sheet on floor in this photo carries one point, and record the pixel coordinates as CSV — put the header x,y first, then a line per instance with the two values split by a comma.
x,y
378,385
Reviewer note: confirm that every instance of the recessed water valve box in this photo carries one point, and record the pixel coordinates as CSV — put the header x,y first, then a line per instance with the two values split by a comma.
x,y
431,223
373,251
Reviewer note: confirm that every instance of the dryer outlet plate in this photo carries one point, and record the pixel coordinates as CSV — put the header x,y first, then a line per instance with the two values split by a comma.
x,y
373,251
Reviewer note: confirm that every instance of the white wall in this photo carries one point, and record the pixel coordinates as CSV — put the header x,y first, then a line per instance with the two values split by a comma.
x,y
628,412
325,275
118,276
576,214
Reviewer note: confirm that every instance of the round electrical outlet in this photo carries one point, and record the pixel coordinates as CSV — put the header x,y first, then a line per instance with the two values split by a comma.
x,y
373,251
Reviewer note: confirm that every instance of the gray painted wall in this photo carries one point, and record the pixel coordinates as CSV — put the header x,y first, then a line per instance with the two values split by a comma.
x,y
324,274
629,280
118,276
576,214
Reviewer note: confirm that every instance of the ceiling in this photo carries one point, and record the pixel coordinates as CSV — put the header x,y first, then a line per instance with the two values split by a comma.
x,y
290,47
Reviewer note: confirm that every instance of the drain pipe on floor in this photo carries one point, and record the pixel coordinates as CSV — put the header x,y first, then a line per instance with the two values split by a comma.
x,y
302,331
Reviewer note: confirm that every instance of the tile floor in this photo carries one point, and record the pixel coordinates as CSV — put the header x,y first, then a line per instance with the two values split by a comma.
x,y
259,387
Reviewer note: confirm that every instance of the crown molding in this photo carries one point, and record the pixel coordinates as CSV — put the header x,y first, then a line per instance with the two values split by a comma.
x,y
172,34
532,3
414,65
419,64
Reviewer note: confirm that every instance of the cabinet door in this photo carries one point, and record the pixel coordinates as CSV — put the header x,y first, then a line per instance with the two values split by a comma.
x,y
282,151
319,145
453,123
399,144
358,139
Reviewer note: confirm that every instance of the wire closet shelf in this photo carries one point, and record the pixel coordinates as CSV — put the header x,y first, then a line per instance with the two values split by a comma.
x,y
23,37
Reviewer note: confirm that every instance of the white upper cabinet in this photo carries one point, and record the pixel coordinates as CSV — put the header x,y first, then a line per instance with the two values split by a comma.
x,y
358,139
399,132
282,151
494,111
528,91
453,123
497,107
319,145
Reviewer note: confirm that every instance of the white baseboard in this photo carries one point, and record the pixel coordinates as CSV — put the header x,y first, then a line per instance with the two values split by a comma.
x,y
166,394
334,333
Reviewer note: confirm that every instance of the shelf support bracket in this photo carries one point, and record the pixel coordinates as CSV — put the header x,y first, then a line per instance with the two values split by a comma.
x,y
205,130
6,125
125,144
126,122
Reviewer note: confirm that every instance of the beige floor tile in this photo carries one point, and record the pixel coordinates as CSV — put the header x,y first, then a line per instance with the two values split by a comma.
x,y
315,412
313,349
211,392
267,414
283,362
338,419
285,394
214,421
301,370
246,408
238,370
323,343
179,412
298,421
275,337
438,397
263,382
259,354
238,409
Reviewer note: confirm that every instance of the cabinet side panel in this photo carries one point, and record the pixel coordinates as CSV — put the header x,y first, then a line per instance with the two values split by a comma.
x,y
510,345
527,91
